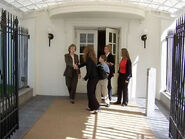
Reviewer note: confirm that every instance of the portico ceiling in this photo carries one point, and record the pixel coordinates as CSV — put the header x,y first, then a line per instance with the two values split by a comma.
x,y
169,6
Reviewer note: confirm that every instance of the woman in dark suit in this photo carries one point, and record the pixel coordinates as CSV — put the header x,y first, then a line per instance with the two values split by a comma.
x,y
90,62
125,73
110,62
71,72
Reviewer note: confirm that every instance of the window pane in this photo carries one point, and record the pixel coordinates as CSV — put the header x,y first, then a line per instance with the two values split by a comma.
x,y
114,40
82,38
110,37
82,46
90,38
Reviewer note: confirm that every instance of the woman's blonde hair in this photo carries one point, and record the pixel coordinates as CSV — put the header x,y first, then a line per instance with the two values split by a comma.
x,y
109,47
72,45
89,52
124,53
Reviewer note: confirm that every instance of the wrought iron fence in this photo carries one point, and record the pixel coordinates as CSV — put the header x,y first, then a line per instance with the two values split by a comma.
x,y
177,108
8,74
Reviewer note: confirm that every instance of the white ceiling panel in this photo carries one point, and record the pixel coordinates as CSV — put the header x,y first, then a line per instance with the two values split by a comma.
x,y
24,2
180,5
170,3
172,10
16,4
24,9
170,6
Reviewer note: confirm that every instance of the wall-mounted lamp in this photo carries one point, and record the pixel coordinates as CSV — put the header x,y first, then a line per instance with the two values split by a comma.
x,y
50,37
144,38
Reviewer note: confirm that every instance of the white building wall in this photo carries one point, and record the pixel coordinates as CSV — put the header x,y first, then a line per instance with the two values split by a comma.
x,y
48,62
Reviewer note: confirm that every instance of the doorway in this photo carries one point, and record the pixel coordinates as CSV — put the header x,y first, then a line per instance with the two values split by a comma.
x,y
98,38
101,42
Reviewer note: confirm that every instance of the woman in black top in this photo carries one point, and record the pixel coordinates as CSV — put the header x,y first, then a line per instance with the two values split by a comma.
x,y
125,73
90,62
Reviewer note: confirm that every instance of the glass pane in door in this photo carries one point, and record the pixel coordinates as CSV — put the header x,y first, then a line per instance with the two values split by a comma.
x,y
90,38
114,49
82,38
114,38
82,46
110,37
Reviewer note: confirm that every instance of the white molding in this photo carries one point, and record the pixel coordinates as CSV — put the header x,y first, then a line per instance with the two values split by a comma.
x,y
104,7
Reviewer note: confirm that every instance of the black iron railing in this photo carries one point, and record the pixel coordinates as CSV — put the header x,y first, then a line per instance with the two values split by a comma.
x,y
8,74
177,108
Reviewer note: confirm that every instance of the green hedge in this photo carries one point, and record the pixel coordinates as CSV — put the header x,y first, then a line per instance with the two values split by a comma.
x,y
9,88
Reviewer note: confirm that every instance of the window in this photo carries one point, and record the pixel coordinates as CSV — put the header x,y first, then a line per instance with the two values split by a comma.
x,y
85,39
23,57
169,61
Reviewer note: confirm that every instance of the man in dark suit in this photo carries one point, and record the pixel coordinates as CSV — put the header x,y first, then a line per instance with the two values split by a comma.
x,y
71,72
110,62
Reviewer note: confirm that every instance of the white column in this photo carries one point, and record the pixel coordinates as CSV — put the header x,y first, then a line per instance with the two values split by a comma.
x,y
151,91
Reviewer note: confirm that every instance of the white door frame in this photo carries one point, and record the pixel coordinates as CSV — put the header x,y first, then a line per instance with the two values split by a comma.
x,y
116,53
82,84
81,88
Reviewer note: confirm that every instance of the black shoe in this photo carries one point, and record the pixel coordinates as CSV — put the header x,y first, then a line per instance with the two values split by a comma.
x,y
88,109
124,104
72,101
117,102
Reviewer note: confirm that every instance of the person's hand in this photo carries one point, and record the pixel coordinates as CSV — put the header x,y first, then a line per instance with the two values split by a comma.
x,y
107,63
79,76
111,64
75,66
126,81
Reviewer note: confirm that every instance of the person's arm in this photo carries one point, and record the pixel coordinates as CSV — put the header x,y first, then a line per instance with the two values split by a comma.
x,y
129,70
107,70
111,60
77,62
82,65
67,60
89,64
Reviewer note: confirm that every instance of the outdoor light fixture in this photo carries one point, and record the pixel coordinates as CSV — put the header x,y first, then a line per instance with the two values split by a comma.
x,y
144,38
50,37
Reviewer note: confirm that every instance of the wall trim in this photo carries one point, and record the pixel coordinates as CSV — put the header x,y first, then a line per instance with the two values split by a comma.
x,y
165,99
